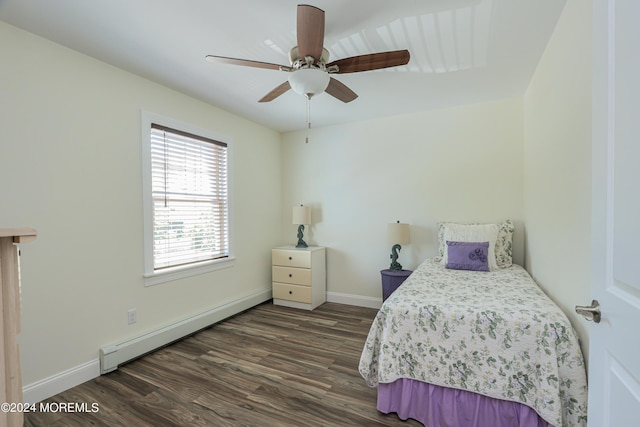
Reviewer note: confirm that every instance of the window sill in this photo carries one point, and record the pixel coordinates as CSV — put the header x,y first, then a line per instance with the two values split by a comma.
x,y
178,273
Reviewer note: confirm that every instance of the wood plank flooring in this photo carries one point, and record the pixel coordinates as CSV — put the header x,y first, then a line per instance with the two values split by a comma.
x,y
268,366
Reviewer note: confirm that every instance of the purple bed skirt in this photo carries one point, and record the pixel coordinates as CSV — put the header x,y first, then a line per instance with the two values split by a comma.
x,y
436,406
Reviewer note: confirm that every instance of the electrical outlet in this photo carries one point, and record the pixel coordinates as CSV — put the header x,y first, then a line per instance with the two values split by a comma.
x,y
132,316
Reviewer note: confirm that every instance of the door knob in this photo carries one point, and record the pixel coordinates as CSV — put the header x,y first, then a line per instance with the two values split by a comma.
x,y
591,312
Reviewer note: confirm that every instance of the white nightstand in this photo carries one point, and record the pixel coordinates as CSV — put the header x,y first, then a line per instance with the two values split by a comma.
x,y
299,276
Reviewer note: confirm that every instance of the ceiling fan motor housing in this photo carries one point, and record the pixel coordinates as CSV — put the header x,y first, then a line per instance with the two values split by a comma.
x,y
297,62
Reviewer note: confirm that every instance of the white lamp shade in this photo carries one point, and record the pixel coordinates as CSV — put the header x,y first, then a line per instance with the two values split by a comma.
x,y
398,233
301,215
309,81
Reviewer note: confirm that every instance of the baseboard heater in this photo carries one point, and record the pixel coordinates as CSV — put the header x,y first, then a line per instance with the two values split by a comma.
x,y
111,356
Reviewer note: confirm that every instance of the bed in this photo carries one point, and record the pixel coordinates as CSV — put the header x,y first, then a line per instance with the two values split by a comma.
x,y
475,346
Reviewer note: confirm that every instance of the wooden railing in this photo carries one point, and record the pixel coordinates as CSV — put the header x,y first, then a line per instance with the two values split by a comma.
x,y
10,380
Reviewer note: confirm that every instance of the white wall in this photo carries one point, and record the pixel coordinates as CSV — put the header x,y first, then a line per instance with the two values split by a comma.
x,y
557,153
70,167
459,164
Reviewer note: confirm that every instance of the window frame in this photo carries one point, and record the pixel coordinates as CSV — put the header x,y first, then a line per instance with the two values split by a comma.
x,y
152,276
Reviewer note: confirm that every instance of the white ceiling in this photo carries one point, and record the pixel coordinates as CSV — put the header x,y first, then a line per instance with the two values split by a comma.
x,y
462,51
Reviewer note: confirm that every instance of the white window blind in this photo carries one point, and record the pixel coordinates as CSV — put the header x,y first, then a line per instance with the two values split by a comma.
x,y
190,198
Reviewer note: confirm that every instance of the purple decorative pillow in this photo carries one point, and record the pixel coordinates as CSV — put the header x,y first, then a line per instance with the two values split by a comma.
x,y
468,256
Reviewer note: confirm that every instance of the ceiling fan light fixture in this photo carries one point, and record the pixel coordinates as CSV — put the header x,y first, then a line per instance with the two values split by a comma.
x,y
309,81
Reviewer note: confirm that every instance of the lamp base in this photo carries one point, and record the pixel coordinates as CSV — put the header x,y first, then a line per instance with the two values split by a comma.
x,y
301,243
395,265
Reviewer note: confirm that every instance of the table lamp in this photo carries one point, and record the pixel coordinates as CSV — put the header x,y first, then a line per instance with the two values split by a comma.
x,y
398,235
301,215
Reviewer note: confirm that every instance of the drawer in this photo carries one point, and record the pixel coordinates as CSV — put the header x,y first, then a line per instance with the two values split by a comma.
x,y
298,276
291,258
292,292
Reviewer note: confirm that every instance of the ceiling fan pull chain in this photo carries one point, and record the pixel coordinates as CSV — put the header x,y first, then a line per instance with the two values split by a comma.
x,y
306,140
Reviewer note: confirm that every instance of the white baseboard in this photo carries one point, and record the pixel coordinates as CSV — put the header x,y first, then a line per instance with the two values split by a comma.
x,y
119,353
357,300
115,354
60,382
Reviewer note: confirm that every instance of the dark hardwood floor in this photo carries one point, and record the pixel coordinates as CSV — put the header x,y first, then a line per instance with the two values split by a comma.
x,y
268,366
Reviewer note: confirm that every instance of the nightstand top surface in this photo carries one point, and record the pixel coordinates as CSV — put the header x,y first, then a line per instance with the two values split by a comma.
x,y
293,248
400,273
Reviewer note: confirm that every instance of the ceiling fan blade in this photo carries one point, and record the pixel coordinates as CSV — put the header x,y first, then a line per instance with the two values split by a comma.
x,y
245,62
372,61
340,90
276,92
310,31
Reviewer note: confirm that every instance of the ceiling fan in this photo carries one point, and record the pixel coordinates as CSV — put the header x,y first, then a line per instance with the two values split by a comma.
x,y
310,71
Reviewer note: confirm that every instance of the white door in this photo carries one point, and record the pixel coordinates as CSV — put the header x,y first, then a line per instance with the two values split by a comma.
x,y
614,364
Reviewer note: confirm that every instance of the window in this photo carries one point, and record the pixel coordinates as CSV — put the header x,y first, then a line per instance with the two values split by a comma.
x,y
186,198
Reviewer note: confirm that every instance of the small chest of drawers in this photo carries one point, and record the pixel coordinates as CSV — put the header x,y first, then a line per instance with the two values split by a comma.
x,y
299,276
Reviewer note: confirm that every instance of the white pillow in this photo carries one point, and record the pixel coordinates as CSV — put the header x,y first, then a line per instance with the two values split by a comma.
x,y
472,233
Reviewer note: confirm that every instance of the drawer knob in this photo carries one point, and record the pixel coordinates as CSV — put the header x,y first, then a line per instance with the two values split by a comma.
x,y
290,258
290,275
290,292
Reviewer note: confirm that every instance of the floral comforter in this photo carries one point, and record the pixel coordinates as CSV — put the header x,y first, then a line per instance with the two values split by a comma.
x,y
494,333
